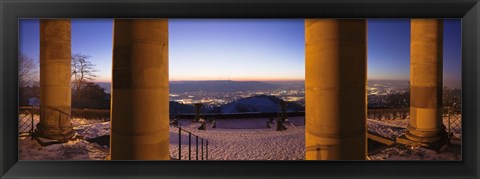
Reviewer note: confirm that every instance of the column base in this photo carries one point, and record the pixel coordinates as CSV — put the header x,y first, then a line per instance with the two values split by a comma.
x,y
426,135
438,143
61,137
47,141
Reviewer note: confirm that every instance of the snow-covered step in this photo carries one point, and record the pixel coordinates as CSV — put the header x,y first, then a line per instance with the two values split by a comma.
x,y
194,125
210,125
378,138
288,125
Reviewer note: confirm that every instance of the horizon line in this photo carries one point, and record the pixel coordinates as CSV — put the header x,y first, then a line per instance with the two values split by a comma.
x,y
279,80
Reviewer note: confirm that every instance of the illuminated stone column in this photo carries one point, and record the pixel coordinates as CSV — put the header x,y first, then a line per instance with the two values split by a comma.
x,y
55,74
335,84
140,115
426,56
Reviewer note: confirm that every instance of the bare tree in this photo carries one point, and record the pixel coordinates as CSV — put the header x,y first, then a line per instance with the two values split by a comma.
x,y
26,70
82,71
85,93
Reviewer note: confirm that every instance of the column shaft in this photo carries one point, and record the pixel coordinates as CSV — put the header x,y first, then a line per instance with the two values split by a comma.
x,y
426,56
335,84
55,75
140,115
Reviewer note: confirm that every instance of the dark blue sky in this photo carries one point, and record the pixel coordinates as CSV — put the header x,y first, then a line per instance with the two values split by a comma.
x,y
389,49
254,49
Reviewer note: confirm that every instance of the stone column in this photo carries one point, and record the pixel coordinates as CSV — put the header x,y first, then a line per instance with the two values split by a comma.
x,y
140,102
426,66
55,75
335,84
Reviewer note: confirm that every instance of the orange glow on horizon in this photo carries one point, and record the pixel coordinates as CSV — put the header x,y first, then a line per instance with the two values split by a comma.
x,y
237,79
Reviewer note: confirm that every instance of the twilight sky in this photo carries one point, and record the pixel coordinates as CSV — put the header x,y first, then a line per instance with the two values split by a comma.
x,y
251,49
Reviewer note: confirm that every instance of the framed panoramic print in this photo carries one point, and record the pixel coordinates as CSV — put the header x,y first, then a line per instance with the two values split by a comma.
x,y
239,89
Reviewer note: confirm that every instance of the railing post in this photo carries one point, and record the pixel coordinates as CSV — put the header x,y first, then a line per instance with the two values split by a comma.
x,y
196,153
33,124
179,143
449,124
189,146
202,148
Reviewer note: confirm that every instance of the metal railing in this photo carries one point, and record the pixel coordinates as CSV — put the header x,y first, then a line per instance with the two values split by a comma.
x,y
379,114
454,124
26,122
201,152
452,119
91,114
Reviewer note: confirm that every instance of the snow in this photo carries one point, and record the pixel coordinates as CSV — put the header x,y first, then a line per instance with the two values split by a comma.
x,y
72,150
78,149
403,152
82,121
94,130
84,127
385,129
244,144
297,121
396,127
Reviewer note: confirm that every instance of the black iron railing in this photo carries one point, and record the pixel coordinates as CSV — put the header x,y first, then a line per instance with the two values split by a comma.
x,y
201,146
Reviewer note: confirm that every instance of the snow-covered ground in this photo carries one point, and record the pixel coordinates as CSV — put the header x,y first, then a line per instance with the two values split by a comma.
x,y
391,129
72,150
244,144
93,130
403,152
79,149
394,128
233,139
79,123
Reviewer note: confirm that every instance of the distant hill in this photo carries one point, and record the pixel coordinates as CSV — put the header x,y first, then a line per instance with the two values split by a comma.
x,y
261,103
289,85
219,86
104,85
178,108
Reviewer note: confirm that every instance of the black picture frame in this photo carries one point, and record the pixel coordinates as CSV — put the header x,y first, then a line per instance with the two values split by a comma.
x,y
467,10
